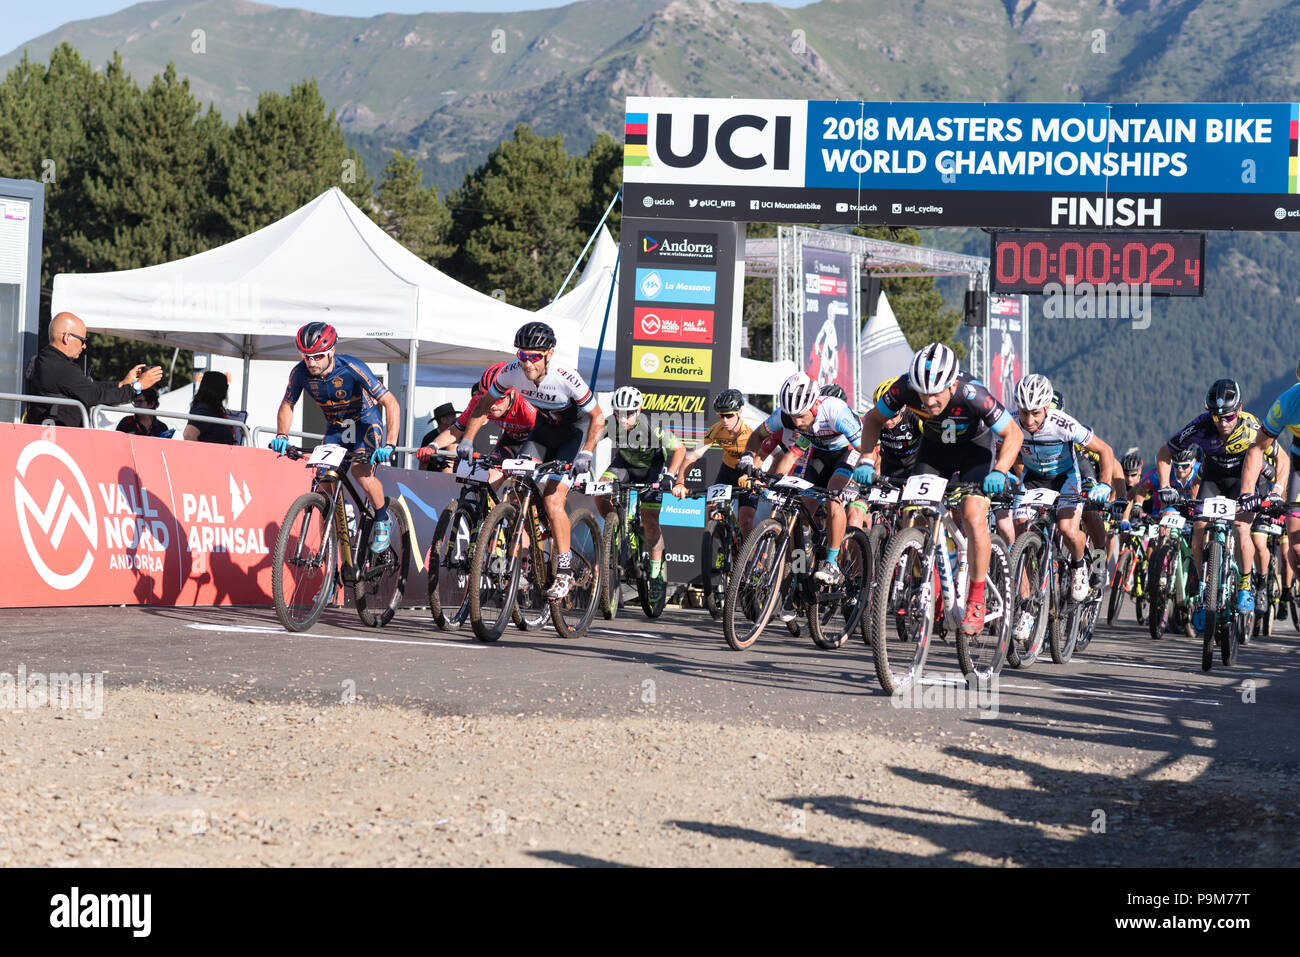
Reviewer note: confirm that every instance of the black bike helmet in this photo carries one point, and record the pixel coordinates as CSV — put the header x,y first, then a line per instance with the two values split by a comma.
x,y
1131,462
1224,397
535,336
316,337
835,391
729,400
1185,456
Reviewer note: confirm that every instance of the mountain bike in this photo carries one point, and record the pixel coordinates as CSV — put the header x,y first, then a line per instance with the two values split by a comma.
x,y
626,553
922,586
1220,577
1130,571
514,543
452,551
777,562
324,544
1267,605
721,544
1169,572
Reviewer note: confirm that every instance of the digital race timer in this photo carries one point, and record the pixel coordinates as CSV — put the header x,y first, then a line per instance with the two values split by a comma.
x,y
1170,263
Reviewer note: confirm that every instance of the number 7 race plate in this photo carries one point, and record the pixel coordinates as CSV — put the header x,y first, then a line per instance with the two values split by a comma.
x,y
327,455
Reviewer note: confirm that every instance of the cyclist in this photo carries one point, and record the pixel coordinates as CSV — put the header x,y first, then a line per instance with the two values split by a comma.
x,y
361,413
959,420
834,431
515,414
1185,476
899,444
730,433
1224,433
640,450
1048,455
564,404
1088,474
1274,476
1284,413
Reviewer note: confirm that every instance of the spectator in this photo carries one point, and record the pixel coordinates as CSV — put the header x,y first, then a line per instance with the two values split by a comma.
x,y
210,399
54,373
142,423
444,417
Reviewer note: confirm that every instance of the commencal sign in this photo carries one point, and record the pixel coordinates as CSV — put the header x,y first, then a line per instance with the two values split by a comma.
x,y
1026,165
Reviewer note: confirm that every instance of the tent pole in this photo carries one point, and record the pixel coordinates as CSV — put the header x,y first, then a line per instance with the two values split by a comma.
x,y
410,398
248,361
591,239
600,346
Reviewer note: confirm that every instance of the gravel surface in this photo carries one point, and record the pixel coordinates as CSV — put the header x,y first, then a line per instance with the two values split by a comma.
x,y
178,778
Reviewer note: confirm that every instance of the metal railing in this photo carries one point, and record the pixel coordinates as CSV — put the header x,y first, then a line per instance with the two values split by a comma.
x,y
267,430
98,410
44,400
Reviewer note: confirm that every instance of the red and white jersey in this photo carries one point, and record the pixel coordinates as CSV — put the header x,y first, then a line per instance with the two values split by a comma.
x,y
517,423
561,396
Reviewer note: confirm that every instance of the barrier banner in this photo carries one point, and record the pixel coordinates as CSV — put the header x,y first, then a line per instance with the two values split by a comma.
x,y
828,320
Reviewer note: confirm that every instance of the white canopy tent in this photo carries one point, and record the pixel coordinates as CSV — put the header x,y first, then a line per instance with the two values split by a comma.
x,y
325,262
884,352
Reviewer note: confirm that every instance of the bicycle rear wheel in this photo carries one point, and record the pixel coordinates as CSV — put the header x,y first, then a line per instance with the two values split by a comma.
x,y
831,623
381,578
1117,586
755,584
983,654
611,586
902,615
572,614
532,610
302,571
449,568
715,566
1160,585
494,575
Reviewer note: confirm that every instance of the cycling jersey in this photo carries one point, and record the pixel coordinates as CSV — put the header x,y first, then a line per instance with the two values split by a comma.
x,y
835,426
1050,450
899,446
561,396
637,446
970,413
350,392
733,446
1285,414
518,422
1223,457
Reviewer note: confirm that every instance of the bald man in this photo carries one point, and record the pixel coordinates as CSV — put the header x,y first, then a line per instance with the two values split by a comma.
x,y
55,373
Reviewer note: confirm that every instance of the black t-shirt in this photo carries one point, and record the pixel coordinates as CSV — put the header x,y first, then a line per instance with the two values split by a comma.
x,y
131,425
211,431
54,374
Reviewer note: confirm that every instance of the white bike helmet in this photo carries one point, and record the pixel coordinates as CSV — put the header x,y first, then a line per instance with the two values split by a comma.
x,y
627,399
798,393
1034,392
934,368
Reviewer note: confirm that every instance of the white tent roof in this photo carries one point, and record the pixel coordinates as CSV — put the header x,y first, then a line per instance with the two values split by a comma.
x,y
884,351
327,261
585,304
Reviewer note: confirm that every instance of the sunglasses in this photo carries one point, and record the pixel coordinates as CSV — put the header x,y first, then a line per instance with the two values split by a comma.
x,y
1182,466
316,356
728,415
83,340
1226,419
531,356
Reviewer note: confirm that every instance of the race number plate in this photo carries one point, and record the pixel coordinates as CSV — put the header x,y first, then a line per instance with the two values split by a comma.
x,y
924,488
327,456
519,466
887,497
719,493
794,483
1219,507
1172,520
471,471
1040,496
600,488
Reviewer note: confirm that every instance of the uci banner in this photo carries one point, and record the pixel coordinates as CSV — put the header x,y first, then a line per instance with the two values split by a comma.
x,y
1025,165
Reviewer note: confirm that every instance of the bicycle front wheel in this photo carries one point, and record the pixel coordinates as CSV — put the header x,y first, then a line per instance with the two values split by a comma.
x,y
449,568
302,573
611,585
1212,588
572,614
715,565
831,623
755,585
1160,586
494,574
1030,606
1117,586
902,615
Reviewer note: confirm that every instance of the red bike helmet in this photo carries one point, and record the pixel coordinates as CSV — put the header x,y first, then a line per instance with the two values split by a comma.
x,y
316,337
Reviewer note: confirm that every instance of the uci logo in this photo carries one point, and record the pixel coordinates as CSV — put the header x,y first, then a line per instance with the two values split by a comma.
x,y
54,517
745,141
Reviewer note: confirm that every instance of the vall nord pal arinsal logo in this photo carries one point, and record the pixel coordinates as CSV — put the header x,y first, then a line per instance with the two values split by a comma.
x,y
658,246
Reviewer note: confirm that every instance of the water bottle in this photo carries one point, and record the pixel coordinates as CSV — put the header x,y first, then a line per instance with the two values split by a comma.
x,y
352,519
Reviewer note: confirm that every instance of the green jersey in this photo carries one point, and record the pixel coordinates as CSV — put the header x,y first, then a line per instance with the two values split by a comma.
x,y
638,445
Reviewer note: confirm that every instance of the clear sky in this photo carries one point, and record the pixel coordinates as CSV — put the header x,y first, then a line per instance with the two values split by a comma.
x,y
23,21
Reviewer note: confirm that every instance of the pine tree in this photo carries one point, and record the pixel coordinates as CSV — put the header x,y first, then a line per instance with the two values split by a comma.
x,y
413,214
